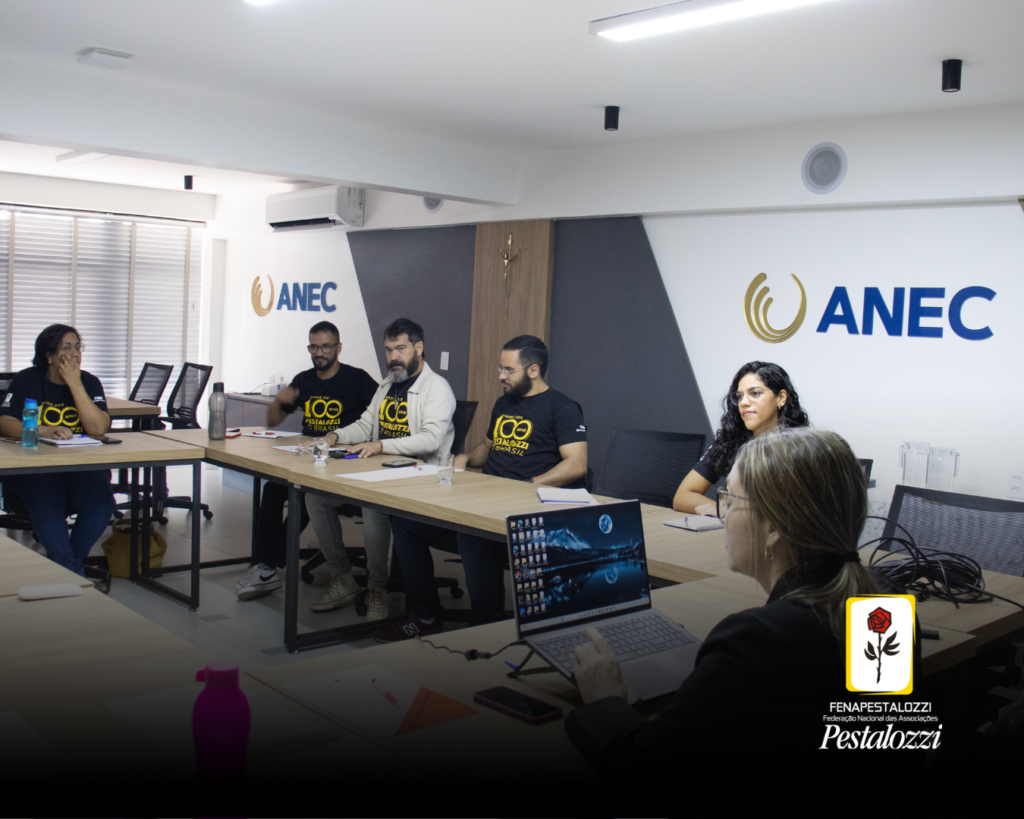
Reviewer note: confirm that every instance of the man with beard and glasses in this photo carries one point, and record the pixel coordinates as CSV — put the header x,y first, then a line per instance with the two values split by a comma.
x,y
411,415
536,434
330,394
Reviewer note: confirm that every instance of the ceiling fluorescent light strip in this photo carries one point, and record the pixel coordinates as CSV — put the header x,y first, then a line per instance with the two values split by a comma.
x,y
686,15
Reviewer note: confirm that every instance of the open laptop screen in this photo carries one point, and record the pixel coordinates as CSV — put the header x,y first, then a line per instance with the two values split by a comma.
x,y
575,564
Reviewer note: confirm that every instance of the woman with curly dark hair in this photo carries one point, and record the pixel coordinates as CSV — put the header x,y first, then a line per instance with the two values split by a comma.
x,y
760,399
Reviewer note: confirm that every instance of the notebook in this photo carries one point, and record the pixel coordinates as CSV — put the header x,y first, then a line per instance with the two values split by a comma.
x,y
587,567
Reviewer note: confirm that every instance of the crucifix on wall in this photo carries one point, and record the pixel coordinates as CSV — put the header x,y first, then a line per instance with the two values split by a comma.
x,y
508,255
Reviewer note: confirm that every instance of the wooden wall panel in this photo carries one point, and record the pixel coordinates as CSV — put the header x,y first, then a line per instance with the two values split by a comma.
x,y
528,310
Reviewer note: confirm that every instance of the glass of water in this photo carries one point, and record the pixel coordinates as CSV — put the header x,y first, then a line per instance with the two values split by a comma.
x,y
445,469
321,446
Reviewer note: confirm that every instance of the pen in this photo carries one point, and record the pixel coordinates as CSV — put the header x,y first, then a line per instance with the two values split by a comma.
x,y
513,666
385,693
351,456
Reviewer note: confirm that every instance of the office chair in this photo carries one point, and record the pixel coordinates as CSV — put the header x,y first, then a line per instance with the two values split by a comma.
x,y
461,420
648,465
181,414
866,464
148,389
5,383
989,530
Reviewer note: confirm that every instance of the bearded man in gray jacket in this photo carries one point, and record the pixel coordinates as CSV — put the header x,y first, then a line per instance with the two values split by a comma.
x,y
411,415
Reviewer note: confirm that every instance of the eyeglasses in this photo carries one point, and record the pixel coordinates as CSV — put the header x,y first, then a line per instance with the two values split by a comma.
x,y
722,502
78,348
321,348
509,370
753,394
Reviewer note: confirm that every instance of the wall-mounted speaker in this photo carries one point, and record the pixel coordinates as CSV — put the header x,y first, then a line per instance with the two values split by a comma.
x,y
432,203
824,168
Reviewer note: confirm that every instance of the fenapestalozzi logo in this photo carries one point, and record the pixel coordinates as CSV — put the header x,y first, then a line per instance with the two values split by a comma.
x,y
880,644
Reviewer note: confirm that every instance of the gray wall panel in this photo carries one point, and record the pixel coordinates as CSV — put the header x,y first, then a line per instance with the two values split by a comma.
x,y
615,343
425,275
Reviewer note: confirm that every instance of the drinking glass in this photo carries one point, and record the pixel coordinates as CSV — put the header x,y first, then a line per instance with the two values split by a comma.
x,y
321,446
445,469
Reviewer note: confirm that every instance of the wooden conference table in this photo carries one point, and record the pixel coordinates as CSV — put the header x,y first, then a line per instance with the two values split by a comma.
x,y
110,694
135,411
136,451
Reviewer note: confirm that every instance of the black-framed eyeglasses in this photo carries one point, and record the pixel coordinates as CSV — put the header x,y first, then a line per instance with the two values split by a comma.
x,y
321,348
722,502
78,348
754,394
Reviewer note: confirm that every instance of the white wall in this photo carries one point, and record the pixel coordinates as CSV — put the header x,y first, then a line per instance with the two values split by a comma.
x,y
877,391
254,347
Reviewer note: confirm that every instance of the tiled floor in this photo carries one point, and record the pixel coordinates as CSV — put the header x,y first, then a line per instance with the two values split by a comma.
x,y
249,633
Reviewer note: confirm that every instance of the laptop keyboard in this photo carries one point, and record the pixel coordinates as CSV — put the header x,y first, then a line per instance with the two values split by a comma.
x,y
634,638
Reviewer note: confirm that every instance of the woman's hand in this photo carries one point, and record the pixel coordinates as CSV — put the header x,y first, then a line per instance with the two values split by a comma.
x,y
597,672
69,370
710,509
366,450
60,433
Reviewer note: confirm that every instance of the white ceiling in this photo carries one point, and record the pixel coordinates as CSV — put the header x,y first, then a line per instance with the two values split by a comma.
x,y
524,75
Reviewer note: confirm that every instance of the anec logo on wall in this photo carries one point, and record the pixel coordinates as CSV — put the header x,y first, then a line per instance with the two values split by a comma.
x,y
308,297
840,311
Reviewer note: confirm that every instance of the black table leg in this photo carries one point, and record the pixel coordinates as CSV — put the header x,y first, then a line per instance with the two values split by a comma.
x,y
133,537
291,580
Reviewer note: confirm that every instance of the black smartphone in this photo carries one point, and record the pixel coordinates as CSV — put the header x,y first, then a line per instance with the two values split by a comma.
x,y
108,440
399,464
517,705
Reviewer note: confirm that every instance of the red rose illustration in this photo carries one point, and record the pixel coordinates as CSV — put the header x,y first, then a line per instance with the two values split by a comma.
x,y
879,621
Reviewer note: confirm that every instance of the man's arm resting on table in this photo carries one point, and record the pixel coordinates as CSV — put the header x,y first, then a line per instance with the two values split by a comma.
x,y
475,459
572,467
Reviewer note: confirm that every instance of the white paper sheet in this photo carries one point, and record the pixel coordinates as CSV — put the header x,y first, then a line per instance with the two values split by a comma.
x,y
575,497
392,474
696,523
77,440
270,433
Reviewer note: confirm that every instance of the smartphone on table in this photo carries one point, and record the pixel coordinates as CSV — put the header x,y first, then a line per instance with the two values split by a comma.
x,y
517,705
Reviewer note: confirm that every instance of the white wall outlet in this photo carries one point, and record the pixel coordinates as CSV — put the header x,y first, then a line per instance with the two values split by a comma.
x,y
1015,485
444,361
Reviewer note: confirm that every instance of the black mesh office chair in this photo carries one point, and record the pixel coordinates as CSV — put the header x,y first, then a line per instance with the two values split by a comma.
x,y
866,464
461,420
648,465
989,530
181,414
5,383
148,389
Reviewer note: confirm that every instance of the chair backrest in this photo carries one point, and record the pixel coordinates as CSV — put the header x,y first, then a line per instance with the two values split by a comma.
x,y
463,417
149,389
188,389
5,383
648,465
865,464
988,530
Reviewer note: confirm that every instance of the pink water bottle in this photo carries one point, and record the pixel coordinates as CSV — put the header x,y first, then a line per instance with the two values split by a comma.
x,y
220,726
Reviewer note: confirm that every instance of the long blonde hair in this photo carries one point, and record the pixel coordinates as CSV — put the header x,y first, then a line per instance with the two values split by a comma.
x,y
812,489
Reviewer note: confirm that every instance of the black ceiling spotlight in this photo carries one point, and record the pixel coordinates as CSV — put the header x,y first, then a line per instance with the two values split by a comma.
x,y
188,183
951,74
611,118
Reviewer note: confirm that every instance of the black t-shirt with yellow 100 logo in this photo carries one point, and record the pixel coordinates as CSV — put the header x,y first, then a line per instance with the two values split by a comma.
x,y
393,415
527,433
331,403
56,403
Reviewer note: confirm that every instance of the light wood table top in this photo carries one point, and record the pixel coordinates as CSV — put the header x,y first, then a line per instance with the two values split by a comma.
x,y
122,408
135,447
22,566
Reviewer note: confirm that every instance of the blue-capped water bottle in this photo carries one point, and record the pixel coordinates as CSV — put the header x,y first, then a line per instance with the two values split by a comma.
x,y
30,423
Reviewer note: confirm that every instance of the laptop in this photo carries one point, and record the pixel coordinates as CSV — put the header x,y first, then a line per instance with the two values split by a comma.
x,y
586,567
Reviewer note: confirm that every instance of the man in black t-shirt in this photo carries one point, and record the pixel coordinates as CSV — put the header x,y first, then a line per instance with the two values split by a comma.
x,y
536,434
330,395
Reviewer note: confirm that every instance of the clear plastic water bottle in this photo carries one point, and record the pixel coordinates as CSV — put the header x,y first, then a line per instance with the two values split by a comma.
x,y
30,423
218,413
220,726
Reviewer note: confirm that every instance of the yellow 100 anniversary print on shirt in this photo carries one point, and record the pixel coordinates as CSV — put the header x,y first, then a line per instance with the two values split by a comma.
x,y
60,415
511,434
322,414
394,417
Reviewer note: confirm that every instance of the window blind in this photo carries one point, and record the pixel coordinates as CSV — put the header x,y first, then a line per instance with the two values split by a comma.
x,y
131,286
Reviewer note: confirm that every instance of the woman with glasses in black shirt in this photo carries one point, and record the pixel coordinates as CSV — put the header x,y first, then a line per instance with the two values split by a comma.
x,y
761,398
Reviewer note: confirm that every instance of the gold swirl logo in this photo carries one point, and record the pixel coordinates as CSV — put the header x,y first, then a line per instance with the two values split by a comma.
x,y
257,297
755,308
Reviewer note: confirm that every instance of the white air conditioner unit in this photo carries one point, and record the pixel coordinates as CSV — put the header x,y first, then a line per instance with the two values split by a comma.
x,y
327,207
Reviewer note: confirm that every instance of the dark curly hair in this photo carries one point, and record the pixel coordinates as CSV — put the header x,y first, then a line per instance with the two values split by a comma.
x,y
733,433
